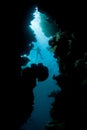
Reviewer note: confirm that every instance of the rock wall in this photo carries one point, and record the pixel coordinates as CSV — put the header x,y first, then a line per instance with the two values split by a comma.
x,y
71,18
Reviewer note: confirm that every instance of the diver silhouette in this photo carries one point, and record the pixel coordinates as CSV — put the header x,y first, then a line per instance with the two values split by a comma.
x,y
38,52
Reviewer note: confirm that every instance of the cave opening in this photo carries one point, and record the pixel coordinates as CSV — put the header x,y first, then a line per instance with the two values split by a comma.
x,y
44,28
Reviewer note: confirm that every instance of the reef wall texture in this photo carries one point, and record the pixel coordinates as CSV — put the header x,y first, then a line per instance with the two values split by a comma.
x,y
69,110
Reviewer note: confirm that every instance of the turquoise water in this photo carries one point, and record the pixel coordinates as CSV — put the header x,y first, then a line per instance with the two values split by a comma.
x,y
41,54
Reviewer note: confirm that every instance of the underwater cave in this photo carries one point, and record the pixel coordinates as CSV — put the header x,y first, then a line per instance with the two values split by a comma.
x,y
41,54
51,62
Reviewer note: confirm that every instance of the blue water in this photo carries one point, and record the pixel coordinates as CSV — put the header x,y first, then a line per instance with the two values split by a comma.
x,y
41,54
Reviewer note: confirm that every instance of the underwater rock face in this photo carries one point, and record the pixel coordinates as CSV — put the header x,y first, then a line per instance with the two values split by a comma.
x,y
42,72
24,60
72,80
26,99
36,71
65,13
61,19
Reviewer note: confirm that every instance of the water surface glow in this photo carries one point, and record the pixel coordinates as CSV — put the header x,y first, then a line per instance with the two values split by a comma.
x,y
41,54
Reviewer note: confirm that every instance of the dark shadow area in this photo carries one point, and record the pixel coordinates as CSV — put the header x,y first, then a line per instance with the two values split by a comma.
x,y
24,97
42,72
47,22
70,106
71,18
24,60
24,94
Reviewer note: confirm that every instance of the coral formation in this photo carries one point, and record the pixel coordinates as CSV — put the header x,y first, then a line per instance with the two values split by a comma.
x,y
70,104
